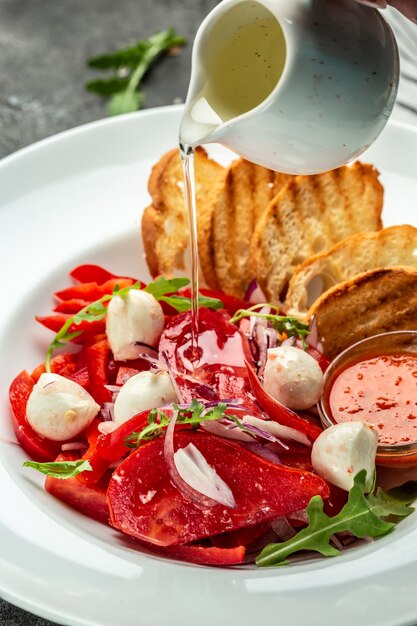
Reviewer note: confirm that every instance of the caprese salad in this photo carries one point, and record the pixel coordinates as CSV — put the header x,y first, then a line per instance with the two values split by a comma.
x,y
210,451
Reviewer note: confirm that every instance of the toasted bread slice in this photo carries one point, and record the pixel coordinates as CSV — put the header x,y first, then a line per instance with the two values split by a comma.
x,y
310,215
238,204
372,302
164,222
358,253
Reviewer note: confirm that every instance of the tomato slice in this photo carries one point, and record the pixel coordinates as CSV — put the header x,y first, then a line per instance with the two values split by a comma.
x,y
144,502
37,447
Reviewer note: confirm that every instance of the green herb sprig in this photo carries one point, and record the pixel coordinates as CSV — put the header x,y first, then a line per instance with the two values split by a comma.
x,y
291,326
131,64
194,415
363,516
96,311
61,469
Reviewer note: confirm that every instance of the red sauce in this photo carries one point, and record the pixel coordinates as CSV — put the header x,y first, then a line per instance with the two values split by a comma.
x,y
382,391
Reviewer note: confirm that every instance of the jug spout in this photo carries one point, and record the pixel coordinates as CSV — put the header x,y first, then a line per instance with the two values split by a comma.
x,y
238,57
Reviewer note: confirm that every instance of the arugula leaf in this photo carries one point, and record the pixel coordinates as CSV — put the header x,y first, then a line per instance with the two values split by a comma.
x,y
193,415
181,304
291,326
131,65
361,515
61,469
394,503
162,286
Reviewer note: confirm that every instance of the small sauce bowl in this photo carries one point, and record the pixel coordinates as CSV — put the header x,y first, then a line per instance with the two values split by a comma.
x,y
372,381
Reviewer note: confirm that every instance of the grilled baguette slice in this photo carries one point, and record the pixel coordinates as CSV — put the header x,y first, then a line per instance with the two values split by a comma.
x,y
372,302
310,215
164,222
238,204
388,247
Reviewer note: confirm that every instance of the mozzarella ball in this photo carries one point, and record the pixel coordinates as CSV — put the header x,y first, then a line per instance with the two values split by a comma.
x,y
59,409
137,317
143,392
293,377
343,450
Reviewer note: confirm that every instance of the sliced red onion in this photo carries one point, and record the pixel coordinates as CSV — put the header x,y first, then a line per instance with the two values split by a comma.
x,y
313,337
156,363
107,412
227,431
254,293
136,350
290,341
113,388
194,469
263,451
300,516
336,542
275,429
107,427
282,528
171,375
74,445
187,490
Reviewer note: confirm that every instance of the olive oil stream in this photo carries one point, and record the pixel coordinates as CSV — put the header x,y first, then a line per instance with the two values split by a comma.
x,y
241,65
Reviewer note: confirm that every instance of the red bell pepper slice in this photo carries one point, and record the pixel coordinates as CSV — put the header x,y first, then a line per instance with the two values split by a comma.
x,y
88,329
37,447
145,503
88,499
204,555
321,359
71,306
89,273
63,364
95,274
97,357
92,291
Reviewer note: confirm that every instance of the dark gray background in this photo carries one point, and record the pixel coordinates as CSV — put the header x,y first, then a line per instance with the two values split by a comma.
x,y
43,47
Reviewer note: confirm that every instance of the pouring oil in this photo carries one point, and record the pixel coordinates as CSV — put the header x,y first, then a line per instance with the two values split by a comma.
x,y
242,60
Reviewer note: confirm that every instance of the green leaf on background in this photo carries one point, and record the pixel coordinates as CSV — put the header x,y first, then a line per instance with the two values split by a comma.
x,y
130,64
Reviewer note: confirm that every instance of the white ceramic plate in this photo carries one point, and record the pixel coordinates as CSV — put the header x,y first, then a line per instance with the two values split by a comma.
x,y
78,198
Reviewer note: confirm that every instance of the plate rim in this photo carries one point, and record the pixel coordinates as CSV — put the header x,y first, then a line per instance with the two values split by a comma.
x,y
30,150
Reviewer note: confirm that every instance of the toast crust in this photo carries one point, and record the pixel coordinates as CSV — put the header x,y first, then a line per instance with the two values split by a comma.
x,y
372,302
358,253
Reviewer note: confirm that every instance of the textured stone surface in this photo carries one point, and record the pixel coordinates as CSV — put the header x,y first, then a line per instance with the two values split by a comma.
x,y
43,47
